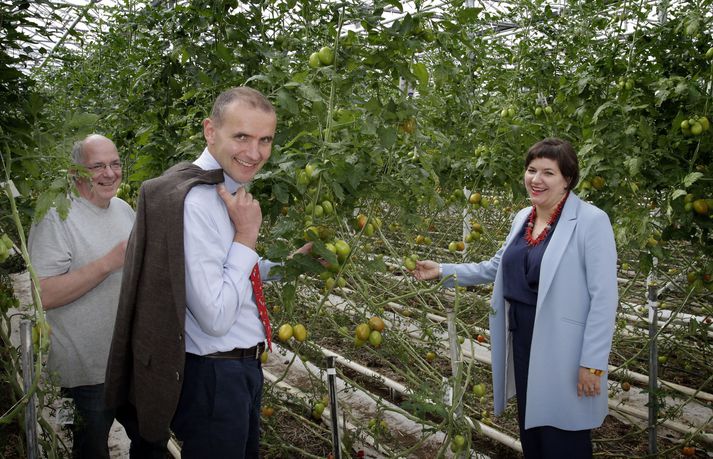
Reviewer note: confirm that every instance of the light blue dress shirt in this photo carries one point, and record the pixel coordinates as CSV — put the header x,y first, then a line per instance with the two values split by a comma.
x,y
221,312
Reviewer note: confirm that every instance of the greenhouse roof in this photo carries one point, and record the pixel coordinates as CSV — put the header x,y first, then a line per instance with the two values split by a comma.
x,y
72,23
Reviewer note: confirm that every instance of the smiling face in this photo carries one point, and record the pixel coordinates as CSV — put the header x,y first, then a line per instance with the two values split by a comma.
x,y
104,181
242,141
545,183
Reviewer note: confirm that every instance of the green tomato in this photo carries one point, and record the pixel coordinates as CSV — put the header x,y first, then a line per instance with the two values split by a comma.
x,y
302,178
375,338
314,61
369,229
479,390
343,249
330,283
318,410
328,207
326,55
310,169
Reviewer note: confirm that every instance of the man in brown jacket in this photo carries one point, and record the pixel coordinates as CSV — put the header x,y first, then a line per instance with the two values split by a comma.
x,y
191,322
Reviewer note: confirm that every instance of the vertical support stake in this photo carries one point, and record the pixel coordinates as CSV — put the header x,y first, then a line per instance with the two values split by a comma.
x,y
28,374
652,298
454,351
332,383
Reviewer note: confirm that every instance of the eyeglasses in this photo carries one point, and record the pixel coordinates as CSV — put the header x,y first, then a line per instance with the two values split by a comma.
x,y
97,168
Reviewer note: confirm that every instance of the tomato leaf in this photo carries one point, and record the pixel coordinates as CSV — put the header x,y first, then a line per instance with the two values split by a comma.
x,y
691,178
310,93
286,101
322,251
223,52
278,250
62,204
468,15
44,202
420,71
288,296
387,136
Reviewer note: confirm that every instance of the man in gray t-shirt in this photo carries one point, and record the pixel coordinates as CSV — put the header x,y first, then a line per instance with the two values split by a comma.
x,y
78,261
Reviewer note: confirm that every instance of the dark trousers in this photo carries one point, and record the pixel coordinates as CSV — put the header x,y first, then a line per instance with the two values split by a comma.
x,y
140,448
218,414
92,422
544,442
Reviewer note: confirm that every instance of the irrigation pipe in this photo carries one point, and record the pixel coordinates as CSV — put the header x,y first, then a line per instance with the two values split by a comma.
x,y
485,358
486,430
613,370
295,392
673,425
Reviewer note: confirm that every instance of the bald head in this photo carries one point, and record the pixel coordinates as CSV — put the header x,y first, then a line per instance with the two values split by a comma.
x,y
101,160
90,142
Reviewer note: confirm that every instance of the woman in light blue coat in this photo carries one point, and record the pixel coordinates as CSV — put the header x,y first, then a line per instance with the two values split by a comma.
x,y
553,308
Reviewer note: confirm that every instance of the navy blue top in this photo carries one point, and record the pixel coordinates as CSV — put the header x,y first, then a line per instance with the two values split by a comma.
x,y
521,268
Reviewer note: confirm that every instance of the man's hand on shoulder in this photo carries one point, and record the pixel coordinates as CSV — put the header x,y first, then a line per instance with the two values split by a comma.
x,y
245,213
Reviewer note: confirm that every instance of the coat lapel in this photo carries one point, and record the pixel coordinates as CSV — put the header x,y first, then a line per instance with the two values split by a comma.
x,y
555,249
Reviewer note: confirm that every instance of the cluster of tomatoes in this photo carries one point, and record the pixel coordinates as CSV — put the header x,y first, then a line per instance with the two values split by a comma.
x,y
323,57
410,262
288,331
695,125
370,331
701,206
367,225
126,193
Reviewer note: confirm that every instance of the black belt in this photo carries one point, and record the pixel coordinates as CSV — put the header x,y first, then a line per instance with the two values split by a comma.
x,y
237,353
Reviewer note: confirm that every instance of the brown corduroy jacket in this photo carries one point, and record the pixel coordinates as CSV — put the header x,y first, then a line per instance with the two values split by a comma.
x,y
147,355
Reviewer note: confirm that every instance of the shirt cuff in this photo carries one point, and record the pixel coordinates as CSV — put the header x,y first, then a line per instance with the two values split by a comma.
x,y
241,258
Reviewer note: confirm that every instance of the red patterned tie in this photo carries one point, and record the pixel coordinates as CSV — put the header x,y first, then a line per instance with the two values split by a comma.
x,y
261,306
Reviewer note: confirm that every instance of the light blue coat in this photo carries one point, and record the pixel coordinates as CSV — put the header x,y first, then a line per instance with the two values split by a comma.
x,y
574,323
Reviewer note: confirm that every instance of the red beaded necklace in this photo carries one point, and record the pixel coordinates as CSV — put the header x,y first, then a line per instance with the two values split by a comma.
x,y
531,223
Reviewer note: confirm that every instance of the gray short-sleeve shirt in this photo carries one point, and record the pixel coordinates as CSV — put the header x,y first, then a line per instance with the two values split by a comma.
x,y
81,330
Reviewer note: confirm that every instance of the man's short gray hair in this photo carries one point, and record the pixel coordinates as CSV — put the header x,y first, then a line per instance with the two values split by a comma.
x,y
244,94
77,153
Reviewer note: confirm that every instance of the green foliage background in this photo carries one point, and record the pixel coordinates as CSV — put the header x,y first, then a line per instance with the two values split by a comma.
x,y
412,109
150,79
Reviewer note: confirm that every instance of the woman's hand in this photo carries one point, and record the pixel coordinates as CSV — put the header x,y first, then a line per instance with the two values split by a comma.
x,y
426,270
589,384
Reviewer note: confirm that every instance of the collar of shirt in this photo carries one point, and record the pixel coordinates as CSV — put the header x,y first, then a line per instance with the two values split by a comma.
x,y
206,161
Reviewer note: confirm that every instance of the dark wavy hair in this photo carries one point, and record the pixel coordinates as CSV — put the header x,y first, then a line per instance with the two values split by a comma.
x,y
559,151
